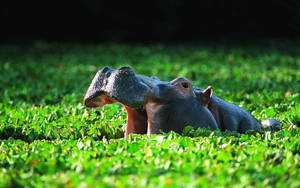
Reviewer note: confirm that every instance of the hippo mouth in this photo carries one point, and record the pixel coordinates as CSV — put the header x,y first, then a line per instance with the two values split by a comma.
x,y
137,120
98,100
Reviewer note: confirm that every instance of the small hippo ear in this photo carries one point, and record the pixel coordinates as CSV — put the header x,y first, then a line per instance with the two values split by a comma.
x,y
205,96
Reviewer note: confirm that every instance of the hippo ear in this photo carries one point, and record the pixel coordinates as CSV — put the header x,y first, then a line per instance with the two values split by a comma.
x,y
205,96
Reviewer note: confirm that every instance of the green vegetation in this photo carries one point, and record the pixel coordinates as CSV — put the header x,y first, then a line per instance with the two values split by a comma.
x,y
48,138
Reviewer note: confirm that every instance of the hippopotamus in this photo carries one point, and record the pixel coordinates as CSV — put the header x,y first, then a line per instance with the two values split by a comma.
x,y
153,105
229,116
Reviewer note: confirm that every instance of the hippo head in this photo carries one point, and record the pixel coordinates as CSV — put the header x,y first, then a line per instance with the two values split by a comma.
x,y
174,105
151,104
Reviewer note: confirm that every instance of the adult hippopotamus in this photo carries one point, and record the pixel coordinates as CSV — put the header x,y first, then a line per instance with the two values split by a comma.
x,y
153,105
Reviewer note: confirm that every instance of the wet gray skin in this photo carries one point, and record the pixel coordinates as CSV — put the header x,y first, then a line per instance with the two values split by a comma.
x,y
152,105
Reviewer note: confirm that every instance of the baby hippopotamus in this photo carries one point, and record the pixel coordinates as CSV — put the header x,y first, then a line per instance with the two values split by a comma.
x,y
153,105
229,116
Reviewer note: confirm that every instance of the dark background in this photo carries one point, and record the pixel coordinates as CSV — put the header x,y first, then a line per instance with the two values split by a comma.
x,y
147,21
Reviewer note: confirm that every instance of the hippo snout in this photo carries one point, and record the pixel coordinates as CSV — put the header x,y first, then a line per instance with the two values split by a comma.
x,y
121,85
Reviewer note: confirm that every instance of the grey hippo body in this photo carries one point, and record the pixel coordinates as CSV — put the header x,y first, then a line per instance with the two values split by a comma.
x,y
153,105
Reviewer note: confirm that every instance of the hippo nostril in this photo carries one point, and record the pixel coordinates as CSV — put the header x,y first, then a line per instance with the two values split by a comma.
x,y
105,69
185,85
107,74
125,68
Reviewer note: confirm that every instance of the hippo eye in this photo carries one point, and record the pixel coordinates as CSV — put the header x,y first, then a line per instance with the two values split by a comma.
x,y
185,85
